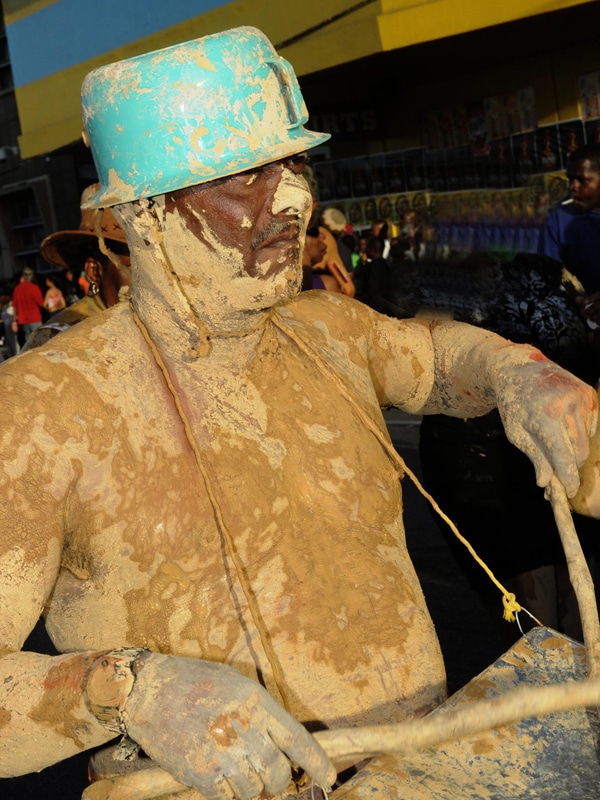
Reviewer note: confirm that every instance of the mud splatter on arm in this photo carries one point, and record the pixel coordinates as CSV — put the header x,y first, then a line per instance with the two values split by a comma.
x,y
547,413
43,717
434,366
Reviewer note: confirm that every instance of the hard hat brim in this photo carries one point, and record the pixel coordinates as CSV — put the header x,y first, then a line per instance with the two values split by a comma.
x,y
113,195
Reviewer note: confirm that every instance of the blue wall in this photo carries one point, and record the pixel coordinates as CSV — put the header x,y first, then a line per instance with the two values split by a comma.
x,y
51,39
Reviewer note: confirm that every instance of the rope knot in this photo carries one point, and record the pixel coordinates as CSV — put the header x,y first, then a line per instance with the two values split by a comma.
x,y
511,607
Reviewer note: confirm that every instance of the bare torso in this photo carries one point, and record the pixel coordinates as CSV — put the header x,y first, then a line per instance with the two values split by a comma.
x,y
275,456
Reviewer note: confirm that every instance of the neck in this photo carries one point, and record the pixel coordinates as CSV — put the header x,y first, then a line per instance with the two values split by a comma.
x,y
188,294
185,321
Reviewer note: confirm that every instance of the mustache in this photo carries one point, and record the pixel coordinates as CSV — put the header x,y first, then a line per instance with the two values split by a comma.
x,y
273,229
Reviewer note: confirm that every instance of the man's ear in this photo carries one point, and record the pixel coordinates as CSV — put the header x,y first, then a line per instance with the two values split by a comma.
x,y
93,271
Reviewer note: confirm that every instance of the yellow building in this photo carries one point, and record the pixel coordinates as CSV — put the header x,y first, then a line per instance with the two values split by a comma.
x,y
422,96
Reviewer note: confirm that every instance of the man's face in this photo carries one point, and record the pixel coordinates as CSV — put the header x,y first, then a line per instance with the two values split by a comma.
x,y
261,214
584,184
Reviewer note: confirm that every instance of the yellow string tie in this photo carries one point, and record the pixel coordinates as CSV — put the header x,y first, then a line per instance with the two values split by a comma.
x,y
511,607
509,601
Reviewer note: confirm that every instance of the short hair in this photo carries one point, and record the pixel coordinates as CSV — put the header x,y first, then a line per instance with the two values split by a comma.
x,y
27,274
587,152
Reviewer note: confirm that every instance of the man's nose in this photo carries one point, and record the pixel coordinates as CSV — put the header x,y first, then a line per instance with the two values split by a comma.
x,y
291,195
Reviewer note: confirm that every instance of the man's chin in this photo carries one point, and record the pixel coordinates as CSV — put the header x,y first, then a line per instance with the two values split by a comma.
x,y
289,283
277,286
581,206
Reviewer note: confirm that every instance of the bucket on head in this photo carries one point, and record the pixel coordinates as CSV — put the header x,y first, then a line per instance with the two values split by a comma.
x,y
191,113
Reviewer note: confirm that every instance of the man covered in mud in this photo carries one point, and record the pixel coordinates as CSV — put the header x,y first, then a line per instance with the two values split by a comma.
x,y
199,492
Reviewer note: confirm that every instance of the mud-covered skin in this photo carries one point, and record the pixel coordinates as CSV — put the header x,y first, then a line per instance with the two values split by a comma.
x,y
309,494
229,721
587,499
108,519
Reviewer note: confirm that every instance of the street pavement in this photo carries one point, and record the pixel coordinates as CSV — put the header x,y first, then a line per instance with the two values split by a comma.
x,y
470,639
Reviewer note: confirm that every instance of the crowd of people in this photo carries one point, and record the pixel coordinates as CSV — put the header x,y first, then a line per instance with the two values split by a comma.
x,y
25,307
209,509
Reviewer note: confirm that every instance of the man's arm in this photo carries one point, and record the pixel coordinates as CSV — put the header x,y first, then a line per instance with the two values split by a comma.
x,y
43,714
464,371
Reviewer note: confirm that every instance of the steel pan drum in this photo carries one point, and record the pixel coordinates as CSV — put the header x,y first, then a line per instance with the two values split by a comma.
x,y
555,757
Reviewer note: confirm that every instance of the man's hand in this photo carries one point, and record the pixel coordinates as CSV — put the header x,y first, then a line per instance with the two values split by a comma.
x,y
548,414
217,731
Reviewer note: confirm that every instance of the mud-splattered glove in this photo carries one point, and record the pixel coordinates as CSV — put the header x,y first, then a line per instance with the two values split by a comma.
x,y
209,726
547,413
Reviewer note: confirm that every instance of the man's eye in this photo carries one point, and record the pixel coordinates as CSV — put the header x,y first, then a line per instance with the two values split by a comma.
x,y
298,162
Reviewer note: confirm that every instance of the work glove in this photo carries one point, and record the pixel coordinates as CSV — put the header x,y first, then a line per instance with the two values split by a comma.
x,y
547,413
217,731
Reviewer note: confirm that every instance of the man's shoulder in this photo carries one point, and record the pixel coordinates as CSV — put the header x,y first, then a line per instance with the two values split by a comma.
x,y
561,212
312,305
96,356
92,339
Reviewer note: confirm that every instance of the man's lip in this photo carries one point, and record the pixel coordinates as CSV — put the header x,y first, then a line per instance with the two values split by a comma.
x,y
287,236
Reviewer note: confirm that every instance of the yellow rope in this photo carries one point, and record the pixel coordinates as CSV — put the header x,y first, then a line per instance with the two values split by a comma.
x,y
509,601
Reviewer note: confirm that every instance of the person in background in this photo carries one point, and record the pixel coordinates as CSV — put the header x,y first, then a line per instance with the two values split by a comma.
x,y
379,229
72,290
411,236
314,250
336,223
108,273
54,299
570,232
11,344
27,304
376,274
337,278
333,278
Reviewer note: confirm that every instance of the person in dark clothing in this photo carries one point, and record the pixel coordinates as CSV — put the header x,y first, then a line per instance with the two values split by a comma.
x,y
571,230
376,278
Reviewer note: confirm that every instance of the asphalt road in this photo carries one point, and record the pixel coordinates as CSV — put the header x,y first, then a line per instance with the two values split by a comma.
x,y
471,640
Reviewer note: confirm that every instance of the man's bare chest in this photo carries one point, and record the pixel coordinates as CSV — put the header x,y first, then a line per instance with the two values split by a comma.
x,y
278,466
